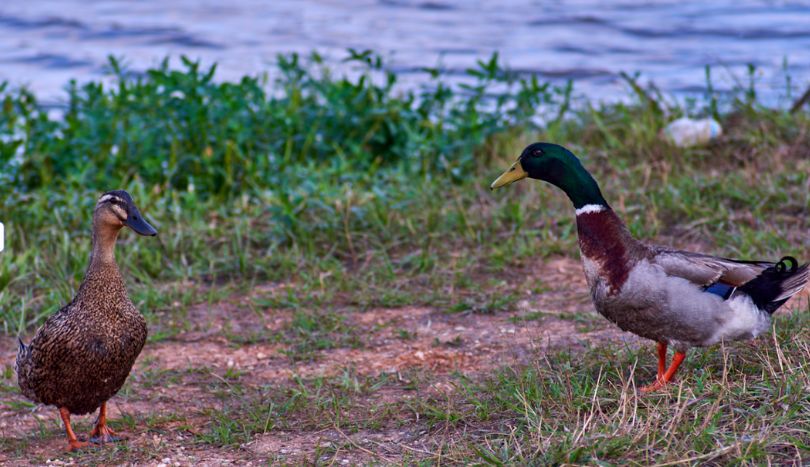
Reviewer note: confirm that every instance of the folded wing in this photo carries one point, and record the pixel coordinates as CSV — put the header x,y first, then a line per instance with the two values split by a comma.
x,y
706,270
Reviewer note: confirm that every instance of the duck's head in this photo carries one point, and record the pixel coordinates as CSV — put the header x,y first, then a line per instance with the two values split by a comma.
x,y
558,166
115,209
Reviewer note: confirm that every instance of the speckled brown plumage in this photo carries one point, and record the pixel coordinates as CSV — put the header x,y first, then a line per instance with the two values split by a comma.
x,y
83,354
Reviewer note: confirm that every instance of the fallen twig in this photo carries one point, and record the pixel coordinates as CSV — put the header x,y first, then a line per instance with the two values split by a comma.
x,y
351,441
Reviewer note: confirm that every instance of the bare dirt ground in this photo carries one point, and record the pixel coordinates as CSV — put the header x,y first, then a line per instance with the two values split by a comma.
x,y
166,408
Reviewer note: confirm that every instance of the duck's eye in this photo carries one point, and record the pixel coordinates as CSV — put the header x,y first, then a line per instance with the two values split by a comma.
x,y
537,153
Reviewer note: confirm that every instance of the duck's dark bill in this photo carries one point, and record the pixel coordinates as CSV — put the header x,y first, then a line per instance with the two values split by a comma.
x,y
512,175
137,223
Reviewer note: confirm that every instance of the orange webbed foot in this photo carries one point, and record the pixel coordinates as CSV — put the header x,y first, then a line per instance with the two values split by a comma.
x,y
101,433
73,442
658,384
76,445
664,377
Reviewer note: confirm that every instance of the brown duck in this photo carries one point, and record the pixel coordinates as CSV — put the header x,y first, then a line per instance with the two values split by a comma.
x,y
82,355
673,297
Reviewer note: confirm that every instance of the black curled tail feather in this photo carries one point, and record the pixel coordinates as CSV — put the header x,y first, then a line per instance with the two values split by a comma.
x,y
776,284
783,267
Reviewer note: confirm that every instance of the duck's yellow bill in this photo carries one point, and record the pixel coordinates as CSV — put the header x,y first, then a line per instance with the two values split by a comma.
x,y
512,175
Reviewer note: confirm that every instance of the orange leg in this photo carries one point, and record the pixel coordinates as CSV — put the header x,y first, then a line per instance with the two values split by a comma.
x,y
74,443
662,380
101,432
662,359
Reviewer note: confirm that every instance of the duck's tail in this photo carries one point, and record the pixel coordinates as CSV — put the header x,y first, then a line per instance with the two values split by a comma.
x,y
23,368
23,352
776,284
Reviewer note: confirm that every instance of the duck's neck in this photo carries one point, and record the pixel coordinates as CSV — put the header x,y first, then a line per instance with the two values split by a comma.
x,y
581,188
102,256
604,241
602,234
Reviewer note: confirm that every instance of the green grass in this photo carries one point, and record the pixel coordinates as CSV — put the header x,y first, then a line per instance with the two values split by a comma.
x,y
744,405
351,187
350,194
310,332
307,404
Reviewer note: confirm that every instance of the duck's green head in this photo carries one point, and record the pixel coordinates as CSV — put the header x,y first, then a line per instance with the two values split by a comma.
x,y
558,166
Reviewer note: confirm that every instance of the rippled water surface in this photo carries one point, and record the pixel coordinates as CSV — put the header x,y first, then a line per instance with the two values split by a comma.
x,y
44,43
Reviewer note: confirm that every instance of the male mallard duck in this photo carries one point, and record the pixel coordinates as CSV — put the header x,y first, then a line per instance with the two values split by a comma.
x,y
83,354
674,297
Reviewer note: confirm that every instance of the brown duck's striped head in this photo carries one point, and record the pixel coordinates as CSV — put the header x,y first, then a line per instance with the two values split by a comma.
x,y
116,209
558,166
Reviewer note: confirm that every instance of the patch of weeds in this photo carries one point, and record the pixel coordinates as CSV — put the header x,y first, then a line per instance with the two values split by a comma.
x,y
225,430
587,321
162,334
19,405
308,404
253,337
309,333
152,377
9,385
455,342
459,307
488,304
530,316
286,299
233,374
15,446
439,412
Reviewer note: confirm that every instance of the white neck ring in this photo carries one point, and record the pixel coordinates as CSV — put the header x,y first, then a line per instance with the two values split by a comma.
x,y
590,209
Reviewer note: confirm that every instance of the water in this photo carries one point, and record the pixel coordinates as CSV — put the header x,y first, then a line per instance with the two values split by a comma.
x,y
44,43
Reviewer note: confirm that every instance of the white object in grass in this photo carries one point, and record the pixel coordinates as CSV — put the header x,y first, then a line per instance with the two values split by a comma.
x,y
685,132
